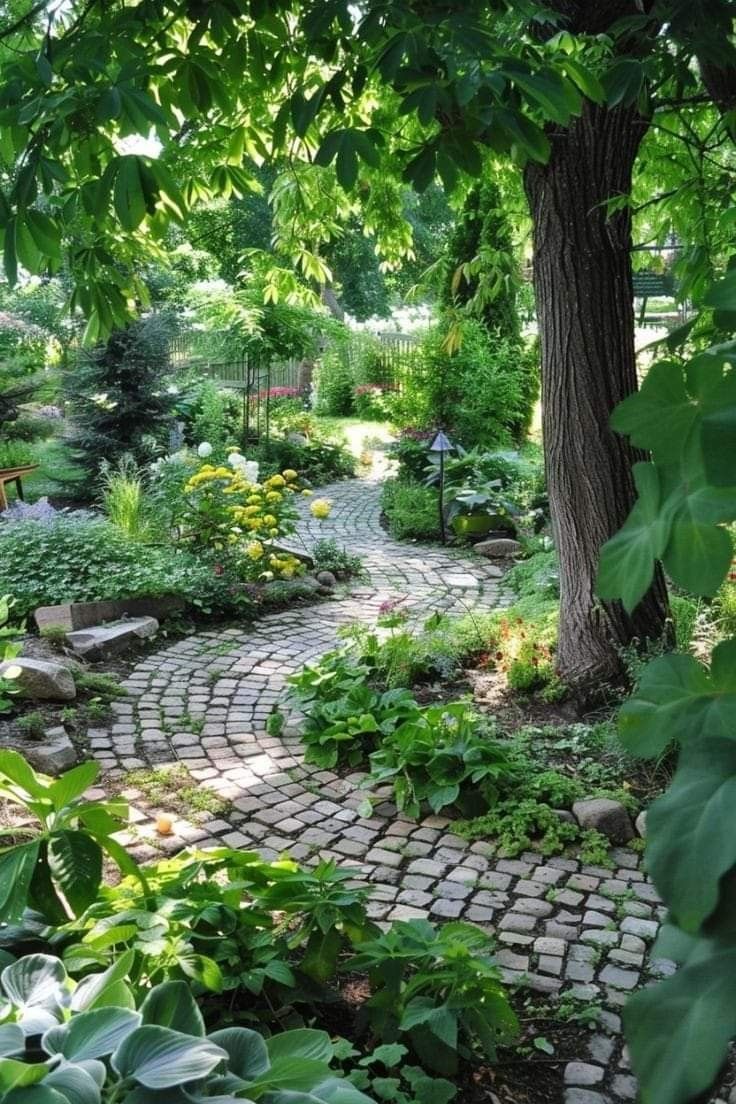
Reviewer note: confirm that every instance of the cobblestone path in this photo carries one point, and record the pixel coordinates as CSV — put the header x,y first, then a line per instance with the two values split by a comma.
x,y
562,928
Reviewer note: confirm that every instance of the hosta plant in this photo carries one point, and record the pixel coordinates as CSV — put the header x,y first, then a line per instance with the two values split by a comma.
x,y
9,649
62,1043
55,867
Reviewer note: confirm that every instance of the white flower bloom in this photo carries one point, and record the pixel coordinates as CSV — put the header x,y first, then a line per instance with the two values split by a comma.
x,y
236,460
204,450
251,471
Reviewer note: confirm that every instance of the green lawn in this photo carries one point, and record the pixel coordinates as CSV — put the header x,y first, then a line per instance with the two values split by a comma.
x,y
356,430
51,477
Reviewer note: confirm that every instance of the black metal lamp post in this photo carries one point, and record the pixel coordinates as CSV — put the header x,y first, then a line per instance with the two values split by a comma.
x,y
442,445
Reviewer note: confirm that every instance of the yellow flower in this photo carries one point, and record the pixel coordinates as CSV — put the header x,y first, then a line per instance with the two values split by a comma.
x,y
290,475
307,493
320,508
254,550
270,520
254,500
273,532
276,481
274,496
250,511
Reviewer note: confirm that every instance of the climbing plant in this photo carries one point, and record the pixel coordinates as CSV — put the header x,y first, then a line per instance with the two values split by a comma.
x,y
685,416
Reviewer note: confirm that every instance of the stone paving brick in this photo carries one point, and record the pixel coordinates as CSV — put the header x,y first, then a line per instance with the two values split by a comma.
x,y
562,926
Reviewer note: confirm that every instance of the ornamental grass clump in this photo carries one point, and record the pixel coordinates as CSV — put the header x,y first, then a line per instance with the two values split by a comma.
x,y
230,513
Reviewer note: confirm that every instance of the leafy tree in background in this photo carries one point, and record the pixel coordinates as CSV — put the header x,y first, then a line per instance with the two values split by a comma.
x,y
480,268
395,95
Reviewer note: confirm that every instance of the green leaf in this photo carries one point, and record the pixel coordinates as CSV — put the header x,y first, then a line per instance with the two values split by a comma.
x,y
439,1019
74,1083
628,558
202,969
42,894
160,1058
94,1034
691,842
677,697
698,555
585,79
420,170
17,866
46,234
15,1075
75,861
128,196
300,1043
36,987
94,990
172,1005
679,1030
246,1050
12,1040
660,414
526,134
10,257
72,784
548,90
722,294
35,1094
17,770
622,83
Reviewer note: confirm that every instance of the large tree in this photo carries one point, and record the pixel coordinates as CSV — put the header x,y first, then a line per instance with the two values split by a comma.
x,y
372,93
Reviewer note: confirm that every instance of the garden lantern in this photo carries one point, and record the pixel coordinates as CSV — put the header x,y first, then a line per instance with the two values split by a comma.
x,y
442,445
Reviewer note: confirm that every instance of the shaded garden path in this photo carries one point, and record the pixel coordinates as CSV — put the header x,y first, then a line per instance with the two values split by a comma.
x,y
204,701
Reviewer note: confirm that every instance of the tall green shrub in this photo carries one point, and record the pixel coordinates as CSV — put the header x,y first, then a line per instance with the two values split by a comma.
x,y
118,401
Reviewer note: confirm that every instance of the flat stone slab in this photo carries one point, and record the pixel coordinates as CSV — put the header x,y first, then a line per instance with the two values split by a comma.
x,y
462,579
42,679
101,641
83,615
54,754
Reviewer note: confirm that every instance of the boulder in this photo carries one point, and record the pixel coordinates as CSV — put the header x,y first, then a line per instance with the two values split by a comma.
x,y
326,579
103,641
42,679
606,816
641,823
54,754
565,815
499,548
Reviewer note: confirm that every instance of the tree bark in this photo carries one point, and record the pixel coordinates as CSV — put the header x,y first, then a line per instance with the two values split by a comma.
x,y
583,287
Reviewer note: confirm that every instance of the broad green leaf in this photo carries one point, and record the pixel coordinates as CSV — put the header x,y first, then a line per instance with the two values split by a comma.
x,y
10,256
17,866
425,1012
290,1073
526,134
660,414
94,991
302,1042
160,1058
691,843
628,558
15,1075
42,894
72,784
74,1083
45,233
35,1094
94,1034
585,79
36,986
16,769
547,90
622,83
75,861
722,294
698,555
202,969
172,1005
677,698
679,1030
246,1050
12,1040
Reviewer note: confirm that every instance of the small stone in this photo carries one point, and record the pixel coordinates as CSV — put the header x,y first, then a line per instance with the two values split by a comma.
x,y
641,823
547,946
582,1073
326,579
584,1096
41,679
618,978
56,753
625,1086
606,816
645,929
499,548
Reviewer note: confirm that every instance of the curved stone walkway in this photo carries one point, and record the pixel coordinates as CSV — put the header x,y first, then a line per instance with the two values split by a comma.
x,y
562,928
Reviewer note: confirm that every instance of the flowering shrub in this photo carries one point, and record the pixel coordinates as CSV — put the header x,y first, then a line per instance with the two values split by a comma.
x,y
228,511
371,400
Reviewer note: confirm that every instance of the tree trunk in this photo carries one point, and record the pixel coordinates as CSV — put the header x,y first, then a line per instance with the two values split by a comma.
x,y
582,280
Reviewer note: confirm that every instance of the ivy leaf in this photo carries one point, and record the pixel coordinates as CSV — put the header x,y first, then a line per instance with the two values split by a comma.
x,y
679,1031
627,559
676,696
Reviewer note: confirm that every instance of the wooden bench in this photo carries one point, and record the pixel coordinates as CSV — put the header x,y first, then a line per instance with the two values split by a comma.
x,y
13,475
